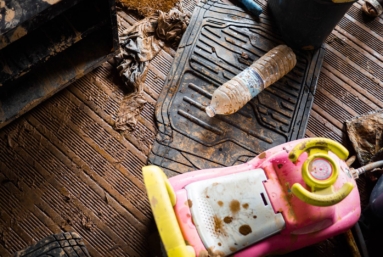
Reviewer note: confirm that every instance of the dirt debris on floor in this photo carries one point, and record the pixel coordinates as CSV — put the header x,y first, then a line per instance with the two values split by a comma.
x,y
366,134
148,7
139,45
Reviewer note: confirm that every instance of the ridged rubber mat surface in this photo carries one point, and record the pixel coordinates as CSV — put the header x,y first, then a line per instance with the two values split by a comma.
x,y
220,42
64,168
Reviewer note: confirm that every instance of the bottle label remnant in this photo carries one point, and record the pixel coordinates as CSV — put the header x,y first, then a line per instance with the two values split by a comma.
x,y
252,80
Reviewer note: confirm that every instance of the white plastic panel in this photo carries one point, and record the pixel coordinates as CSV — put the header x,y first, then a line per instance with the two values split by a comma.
x,y
233,211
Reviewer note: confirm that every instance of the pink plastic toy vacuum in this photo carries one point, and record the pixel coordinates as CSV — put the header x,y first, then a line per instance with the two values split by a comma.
x,y
286,198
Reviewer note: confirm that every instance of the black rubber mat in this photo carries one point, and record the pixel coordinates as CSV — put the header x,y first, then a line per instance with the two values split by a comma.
x,y
67,244
222,40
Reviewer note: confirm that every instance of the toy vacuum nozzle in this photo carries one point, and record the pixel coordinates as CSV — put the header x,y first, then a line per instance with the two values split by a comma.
x,y
357,172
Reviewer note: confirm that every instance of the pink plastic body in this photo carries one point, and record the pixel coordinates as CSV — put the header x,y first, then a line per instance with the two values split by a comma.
x,y
305,224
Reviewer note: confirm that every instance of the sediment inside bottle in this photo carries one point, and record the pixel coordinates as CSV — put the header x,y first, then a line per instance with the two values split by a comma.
x,y
275,64
235,92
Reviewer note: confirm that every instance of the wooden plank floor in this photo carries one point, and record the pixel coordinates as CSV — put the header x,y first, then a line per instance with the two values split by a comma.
x,y
64,168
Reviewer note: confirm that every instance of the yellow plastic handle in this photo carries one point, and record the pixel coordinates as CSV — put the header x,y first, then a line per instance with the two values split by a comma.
x,y
162,199
318,199
322,190
318,143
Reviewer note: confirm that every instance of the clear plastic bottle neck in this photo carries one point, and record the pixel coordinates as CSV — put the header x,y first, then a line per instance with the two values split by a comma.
x,y
210,111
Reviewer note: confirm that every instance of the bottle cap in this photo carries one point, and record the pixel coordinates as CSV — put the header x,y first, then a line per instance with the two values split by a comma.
x,y
210,111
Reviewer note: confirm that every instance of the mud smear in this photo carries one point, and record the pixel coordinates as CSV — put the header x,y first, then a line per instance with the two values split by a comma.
x,y
190,203
154,201
9,15
211,253
245,205
235,206
262,155
130,109
244,55
228,219
218,226
203,253
233,249
245,230
215,253
86,223
220,203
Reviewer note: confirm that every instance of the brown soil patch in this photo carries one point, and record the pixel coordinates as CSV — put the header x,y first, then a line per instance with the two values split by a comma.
x,y
235,206
148,7
228,219
218,226
245,230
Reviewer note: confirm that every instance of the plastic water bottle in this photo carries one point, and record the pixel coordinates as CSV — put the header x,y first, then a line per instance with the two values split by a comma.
x,y
234,94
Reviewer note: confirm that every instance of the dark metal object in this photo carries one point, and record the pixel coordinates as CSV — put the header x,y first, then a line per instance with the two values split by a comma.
x,y
42,52
221,41
68,244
